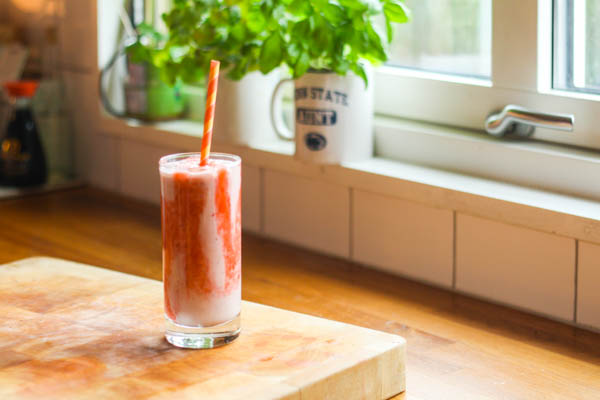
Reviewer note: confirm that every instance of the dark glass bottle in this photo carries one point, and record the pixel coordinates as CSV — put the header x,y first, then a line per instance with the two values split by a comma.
x,y
22,159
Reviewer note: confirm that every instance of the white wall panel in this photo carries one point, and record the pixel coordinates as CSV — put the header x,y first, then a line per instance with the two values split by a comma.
x,y
307,212
403,237
251,198
139,170
588,285
518,266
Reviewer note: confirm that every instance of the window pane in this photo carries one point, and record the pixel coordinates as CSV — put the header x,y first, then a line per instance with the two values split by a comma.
x,y
449,36
577,45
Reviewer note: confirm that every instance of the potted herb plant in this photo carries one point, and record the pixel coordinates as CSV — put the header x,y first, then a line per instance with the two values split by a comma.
x,y
327,46
234,33
148,96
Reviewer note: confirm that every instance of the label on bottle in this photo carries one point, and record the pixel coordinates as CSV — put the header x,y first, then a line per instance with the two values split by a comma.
x,y
13,162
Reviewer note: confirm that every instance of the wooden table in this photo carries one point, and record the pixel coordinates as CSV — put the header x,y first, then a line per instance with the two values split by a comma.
x,y
457,347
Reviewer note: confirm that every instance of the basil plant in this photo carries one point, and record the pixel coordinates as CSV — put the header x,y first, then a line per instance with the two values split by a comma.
x,y
261,35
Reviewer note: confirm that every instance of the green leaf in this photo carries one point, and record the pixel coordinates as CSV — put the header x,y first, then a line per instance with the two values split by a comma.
x,y
301,29
396,12
352,4
341,67
293,51
388,30
256,21
300,8
235,13
148,31
159,58
358,23
312,21
301,65
321,37
375,45
271,53
138,53
221,33
237,32
319,5
240,69
333,13
359,70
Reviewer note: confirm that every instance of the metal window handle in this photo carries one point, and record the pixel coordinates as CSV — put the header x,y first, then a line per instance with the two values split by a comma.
x,y
522,122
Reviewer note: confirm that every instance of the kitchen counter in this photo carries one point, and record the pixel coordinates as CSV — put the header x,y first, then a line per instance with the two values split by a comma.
x,y
458,347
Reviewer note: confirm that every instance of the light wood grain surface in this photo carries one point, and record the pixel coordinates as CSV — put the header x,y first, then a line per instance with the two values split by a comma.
x,y
91,333
458,348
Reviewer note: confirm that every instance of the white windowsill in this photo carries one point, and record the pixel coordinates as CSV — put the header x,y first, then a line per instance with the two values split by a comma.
x,y
535,208
531,164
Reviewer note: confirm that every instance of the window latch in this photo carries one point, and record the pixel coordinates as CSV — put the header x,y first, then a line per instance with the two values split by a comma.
x,y
522,122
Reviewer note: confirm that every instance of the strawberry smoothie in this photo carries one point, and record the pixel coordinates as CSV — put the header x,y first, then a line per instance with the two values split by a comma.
x,y
201,234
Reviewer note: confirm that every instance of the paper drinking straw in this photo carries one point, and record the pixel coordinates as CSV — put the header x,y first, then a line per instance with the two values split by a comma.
x,y
209,115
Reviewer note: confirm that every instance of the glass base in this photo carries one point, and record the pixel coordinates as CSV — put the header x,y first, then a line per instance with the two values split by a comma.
x,y
190,337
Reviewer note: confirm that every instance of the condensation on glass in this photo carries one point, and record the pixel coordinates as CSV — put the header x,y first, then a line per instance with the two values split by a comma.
x,y
446,36
576,45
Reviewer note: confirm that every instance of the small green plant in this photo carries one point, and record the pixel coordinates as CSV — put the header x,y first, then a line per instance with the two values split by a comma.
x,y
150,48
261,35
335,35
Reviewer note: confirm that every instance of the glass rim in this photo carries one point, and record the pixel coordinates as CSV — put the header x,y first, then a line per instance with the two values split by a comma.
x,y
164,160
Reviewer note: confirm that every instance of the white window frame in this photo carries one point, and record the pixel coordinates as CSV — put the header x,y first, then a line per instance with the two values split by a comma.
x,y
521,74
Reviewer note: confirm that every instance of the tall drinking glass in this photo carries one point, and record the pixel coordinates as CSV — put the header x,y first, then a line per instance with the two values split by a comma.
x,y
201,236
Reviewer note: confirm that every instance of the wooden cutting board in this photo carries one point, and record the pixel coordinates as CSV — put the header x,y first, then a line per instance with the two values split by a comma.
x,y
69,330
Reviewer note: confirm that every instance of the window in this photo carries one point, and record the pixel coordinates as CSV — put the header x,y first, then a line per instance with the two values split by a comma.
x,y
577,45
448,36
521,66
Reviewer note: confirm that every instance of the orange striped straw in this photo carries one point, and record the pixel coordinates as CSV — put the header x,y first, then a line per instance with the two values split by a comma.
x,y
209,115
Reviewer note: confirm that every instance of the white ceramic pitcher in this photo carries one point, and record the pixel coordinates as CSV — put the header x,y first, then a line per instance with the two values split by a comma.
x,y
242,109
333,117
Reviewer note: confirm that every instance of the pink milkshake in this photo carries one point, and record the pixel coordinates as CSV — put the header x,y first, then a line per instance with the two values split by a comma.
x,y
201,227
